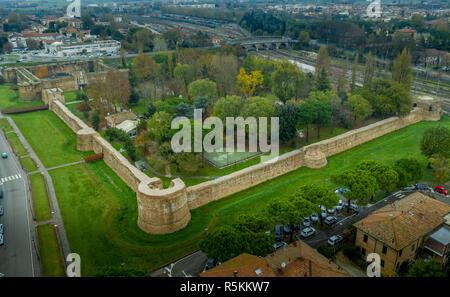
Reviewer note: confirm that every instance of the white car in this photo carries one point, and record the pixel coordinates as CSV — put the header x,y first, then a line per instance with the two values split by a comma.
x,y
306,222
307,232
354,207
1,239
339,206
324,214
331,211
1,229
334,240
315,217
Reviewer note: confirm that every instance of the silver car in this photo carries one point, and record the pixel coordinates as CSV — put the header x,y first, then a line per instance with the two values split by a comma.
x,y
1,239
1,229
307,232
1,210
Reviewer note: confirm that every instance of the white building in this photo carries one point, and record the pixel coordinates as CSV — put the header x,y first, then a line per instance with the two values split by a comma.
x,y
62,49
128,127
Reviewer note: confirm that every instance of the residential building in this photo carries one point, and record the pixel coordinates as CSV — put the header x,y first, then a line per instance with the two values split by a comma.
x,y
295,260
129,127
437,246
116,119
68,49
397,232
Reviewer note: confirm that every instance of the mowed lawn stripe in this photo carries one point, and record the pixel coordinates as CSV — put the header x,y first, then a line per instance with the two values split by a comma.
x,y
40,198
51,262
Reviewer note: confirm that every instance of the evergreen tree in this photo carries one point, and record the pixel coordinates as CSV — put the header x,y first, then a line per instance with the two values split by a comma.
x,y
323,82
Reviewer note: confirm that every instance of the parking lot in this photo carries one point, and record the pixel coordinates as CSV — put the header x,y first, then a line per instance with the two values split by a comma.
x,y
194,264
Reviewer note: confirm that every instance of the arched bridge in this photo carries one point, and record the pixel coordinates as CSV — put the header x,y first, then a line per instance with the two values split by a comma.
x,y
263,42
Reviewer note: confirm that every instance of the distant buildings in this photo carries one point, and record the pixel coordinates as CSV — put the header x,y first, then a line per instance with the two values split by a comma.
x,y
68,49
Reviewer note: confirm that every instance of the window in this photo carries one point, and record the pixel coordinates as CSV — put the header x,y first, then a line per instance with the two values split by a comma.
x,y
382,263
384,250
400,253
363,251
365,238
412,248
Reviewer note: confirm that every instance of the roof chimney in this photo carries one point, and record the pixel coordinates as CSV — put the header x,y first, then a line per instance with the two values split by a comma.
x,y
235,273
283,265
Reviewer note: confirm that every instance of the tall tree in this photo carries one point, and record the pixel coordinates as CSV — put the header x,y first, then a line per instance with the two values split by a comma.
x,y
323,61
202,88
288,115
322,81
362,184
402,71
436,141
286,81
369,70
145,67
248,84
354,69
386,176
359,107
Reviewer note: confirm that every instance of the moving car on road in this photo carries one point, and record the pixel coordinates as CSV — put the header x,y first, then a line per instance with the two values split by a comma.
x,y
4,155
441,190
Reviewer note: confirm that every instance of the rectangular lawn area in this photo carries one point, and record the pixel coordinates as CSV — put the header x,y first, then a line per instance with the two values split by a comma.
x,y
9,99
53,141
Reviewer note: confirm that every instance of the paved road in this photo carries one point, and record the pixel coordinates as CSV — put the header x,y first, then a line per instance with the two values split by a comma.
x,y
16,253
191,265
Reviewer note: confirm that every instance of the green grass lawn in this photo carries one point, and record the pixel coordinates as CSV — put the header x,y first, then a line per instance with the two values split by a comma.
x,y
5,126
51,261
40,198
100,211
16,144
53,141
70,96
9,99
29,164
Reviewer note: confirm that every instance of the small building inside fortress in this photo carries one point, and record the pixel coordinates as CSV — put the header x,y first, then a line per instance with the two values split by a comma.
x,y
68,76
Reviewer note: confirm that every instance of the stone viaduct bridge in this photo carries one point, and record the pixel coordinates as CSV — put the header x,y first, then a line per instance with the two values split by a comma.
x,y
263,43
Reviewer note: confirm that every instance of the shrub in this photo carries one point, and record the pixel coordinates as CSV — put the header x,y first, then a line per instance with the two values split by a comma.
x,y
352,252
83,107
326,251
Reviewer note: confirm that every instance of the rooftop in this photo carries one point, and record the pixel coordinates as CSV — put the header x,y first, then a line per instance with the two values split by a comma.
x,y
400,223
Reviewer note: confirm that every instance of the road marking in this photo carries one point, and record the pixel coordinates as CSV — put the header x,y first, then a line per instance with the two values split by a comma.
x,y
11,178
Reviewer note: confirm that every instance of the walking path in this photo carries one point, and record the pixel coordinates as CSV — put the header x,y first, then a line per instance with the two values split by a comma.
x,y
56,213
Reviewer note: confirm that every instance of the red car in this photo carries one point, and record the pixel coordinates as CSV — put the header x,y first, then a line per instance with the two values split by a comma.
x,y
441,190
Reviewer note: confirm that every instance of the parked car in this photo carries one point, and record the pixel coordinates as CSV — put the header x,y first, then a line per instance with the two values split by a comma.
x,y
423,187
334,240
331,211
1,239
278,233
210,263
441,190
1,229
354,207
314,217
410,188
279,245
307,232
343,190
1,210
1,194
324,214
297,226
287,229
306,222
339,206
330,220
4,155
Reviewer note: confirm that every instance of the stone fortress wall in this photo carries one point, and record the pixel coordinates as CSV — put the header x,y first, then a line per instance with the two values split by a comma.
x,y
31,87
162,211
